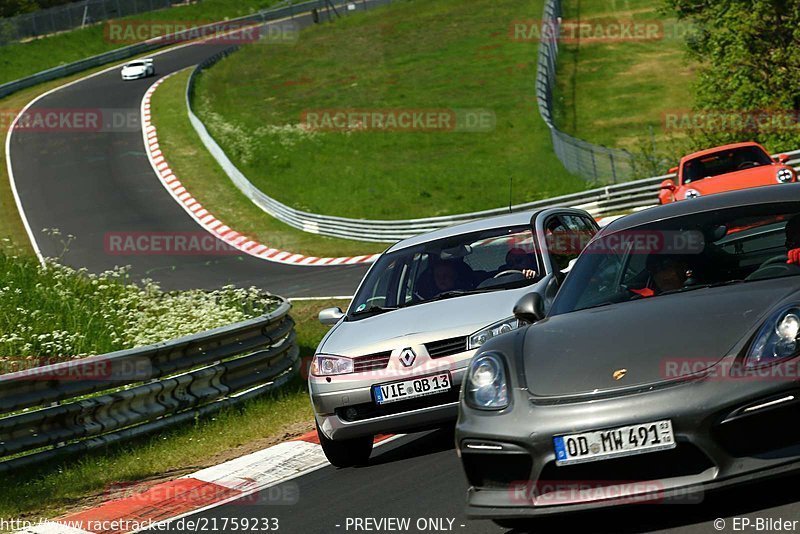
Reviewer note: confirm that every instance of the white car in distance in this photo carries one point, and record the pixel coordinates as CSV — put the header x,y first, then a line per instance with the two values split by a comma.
x,y
140,68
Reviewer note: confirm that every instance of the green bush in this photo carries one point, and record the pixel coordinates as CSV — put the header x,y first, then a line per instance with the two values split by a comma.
x,y
55,313
749,64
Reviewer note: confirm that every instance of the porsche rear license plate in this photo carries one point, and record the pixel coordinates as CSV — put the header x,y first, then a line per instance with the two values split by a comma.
x,y
409,389
614,442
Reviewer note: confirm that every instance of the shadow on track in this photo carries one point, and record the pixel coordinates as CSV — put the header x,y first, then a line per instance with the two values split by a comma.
x,y
756,498
436,441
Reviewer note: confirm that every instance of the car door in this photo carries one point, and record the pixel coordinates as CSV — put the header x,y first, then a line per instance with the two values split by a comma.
x,y
562,234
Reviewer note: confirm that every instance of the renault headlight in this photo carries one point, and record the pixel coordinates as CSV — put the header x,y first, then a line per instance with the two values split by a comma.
x,y
778,339
486,387
784,176
325,365
482,336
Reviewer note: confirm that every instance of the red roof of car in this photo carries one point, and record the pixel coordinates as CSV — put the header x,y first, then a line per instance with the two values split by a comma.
x,y
719,148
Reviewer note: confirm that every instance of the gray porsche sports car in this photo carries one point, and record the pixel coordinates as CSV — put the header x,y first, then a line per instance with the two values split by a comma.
x,y
666,366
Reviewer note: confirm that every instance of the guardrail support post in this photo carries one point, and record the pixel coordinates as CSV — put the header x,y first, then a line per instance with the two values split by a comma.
x,y
613,167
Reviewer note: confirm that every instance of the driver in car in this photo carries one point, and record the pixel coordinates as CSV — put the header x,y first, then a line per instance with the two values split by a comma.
x,y
519,260
793,241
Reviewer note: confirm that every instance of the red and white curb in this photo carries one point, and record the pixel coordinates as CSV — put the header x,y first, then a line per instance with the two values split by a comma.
x,y
208,221
244,479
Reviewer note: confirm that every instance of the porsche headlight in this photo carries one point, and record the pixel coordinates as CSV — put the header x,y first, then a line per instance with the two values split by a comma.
x,y
777,340
486,387
784,176
324,365
482,336
691,193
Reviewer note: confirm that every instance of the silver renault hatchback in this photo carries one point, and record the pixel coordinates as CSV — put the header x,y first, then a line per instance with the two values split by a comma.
x,y
394,362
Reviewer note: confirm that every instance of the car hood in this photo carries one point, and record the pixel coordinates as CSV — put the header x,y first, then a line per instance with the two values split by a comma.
x,y
732,181
133,70
422,323
652,339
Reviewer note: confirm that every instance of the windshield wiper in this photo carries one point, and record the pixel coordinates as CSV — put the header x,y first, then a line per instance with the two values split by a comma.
x,y
374,310
703,286
606,303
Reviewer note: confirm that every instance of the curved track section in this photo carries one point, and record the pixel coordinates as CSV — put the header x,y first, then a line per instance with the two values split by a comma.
x,y
94,183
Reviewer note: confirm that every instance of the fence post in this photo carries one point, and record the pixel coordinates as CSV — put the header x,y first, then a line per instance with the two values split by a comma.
x,y
613,168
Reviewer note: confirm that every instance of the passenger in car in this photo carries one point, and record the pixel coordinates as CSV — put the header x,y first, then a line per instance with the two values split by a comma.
x,y
445,275
667,272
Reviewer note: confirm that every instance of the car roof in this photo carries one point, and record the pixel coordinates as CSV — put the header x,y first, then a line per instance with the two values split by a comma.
x,y
520,218
512,219
768,194
719,149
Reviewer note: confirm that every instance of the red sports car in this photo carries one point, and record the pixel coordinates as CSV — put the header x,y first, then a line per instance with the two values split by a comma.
x,y
725,168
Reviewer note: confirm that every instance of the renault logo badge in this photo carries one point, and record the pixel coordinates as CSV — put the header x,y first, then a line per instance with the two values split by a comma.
x,y
407,357
619,374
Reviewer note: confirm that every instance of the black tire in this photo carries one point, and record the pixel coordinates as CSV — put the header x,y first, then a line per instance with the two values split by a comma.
x,y
346,452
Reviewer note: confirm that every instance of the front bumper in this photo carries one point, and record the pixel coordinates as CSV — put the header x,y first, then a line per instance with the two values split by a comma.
x,y
509,456
332,400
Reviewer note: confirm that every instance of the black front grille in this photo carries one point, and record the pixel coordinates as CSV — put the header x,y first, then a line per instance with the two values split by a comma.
x,y
368,410
446,347
760,431
497,470
373,362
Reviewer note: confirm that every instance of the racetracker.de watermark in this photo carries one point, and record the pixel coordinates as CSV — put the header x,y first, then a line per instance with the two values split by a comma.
x,y
733,370
166,244
631,241
285,494
82,120
600,30
90,368
563,492
774,121
398,120
214,33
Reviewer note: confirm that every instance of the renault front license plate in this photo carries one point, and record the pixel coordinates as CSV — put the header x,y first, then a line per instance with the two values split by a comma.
x,y
409,389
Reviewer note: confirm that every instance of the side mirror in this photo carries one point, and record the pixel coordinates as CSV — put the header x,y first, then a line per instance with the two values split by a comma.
x,y
673,170
669,185
783,158
530,308
330,316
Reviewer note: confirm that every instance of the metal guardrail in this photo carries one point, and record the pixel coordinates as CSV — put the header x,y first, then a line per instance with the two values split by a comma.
x,y
592,162
153,44
73,15
81,405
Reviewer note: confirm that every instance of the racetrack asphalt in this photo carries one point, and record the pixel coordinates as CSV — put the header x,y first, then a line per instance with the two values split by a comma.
x,y
419,477
93,183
